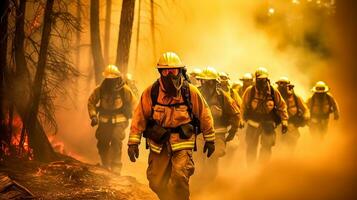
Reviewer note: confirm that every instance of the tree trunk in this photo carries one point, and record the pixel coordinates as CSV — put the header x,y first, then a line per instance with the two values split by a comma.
x,y
108,15
4,6
152,28
95,40
78,34
137,35
125,29
42,148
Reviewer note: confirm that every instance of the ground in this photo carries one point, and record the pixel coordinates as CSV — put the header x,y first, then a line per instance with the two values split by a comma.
x,y
71,179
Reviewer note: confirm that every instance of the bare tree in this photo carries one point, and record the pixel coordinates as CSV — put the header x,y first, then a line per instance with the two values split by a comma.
x,y
95,40
36,140
152,27
125,31
137,35
4,6
108,15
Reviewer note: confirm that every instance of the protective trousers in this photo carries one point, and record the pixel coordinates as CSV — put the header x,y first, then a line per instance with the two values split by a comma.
x,y
109,143
318,128
253,134
169,173
289,139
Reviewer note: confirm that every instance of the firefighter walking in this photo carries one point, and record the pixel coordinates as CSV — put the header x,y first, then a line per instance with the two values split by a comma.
x,y
263,109
298,112
167,115
322,104
110,107
226,115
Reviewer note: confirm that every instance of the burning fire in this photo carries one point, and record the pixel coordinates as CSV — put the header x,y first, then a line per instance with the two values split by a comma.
x,y
18,145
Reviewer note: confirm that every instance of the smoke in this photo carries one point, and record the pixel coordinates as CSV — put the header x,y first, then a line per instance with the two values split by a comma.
x,y
237,36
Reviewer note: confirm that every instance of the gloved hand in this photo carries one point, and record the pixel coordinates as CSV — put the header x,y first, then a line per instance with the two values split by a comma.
x,y
94,121
133,152
231,135
241,124
336,117
284,127
209,147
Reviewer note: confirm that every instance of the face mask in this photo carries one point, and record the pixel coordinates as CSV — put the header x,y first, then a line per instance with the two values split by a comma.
x,y
283,90
262,84
110,84
209,86
172,84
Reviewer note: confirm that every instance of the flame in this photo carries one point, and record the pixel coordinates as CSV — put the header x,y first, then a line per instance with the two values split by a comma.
x,y
16,147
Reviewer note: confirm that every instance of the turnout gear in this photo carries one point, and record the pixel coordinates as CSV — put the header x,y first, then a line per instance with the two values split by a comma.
x,y
170,125
169,60
225,113
263,108
110,106
321,105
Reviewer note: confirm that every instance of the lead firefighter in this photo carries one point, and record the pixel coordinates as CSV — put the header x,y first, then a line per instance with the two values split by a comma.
x,y
170,114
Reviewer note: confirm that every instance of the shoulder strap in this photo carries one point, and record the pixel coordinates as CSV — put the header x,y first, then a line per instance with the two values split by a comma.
x,y
154,92
185,92
252,95
296,102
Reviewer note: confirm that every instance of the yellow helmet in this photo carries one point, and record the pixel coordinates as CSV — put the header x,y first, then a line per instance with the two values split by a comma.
x,y
129,76
261,72
320,87
247,77
196,72
169,60
223,76
111,71
209,73
283,80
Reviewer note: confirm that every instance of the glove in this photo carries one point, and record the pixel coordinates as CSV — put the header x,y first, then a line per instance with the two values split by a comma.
x,y
241,124
284,127
133,152
94,121
231,135
209,147
336,117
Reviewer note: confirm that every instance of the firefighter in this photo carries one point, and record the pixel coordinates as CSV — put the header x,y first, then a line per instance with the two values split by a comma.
x,y
110,106
226,87
298,112
226,113
247,80
170,114
321,105
263,109
193,77
132,84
